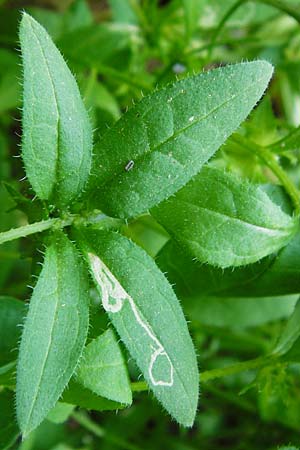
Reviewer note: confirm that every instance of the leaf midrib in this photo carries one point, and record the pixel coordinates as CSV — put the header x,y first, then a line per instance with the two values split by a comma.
x,y
48,347
235,219
155,148
56,107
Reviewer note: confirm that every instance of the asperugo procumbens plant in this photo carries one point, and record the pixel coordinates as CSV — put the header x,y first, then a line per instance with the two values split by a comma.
x,y
159,147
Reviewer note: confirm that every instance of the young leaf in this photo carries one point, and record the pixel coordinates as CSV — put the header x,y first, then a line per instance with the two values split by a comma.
x,y
224,221
146,314
57,136
54,333
103,369
160,144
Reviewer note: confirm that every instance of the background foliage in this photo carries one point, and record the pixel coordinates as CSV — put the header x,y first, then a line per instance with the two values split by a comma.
x,y
119,51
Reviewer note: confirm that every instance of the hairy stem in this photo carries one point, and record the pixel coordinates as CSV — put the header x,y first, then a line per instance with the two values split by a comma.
x,y
37,227
96,220
271,161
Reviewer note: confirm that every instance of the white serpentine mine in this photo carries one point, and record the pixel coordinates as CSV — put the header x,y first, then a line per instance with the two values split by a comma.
x,y
111,289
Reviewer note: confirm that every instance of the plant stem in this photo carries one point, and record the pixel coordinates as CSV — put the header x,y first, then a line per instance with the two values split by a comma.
x,y
285,6
271,161
37,227
217,31
282,5
213,374
85,421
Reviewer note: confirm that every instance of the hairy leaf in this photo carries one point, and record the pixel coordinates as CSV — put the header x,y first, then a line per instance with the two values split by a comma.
x,y
54,333
224,221
57,137
103,369
160,144
147,316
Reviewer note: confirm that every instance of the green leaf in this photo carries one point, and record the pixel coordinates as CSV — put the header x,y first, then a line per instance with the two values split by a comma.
x,y
239,312
170,134
60,413
225,221
8,375
275,275
98,46
54,333
230,298
193,10
57,136
8,426
12,312
9,80
147,316
78,395
103,369
122,12
289,341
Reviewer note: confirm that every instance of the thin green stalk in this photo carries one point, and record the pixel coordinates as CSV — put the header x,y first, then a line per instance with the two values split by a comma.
x,y
85,421
37,227
213,374
285,6
282,5
219,28
128,79
271,161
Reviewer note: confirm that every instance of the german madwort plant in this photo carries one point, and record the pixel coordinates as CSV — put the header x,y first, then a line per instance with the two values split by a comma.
x,y
103,313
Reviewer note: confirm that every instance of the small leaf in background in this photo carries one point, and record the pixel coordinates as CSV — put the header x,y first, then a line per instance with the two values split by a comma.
x,y
279,395
239,312
289,340
275,275
57,136
155,148
10,90
122,11
103,369
146,314
54,333
12,313
98,46
76,394
8,426
60,413
225,221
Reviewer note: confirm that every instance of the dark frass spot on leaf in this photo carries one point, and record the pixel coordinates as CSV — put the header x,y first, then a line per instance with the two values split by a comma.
x,y
169,135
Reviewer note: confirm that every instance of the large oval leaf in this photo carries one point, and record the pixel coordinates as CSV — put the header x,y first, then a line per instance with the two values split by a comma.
x,y
54,333
57,136
224,221
146,314
156,147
